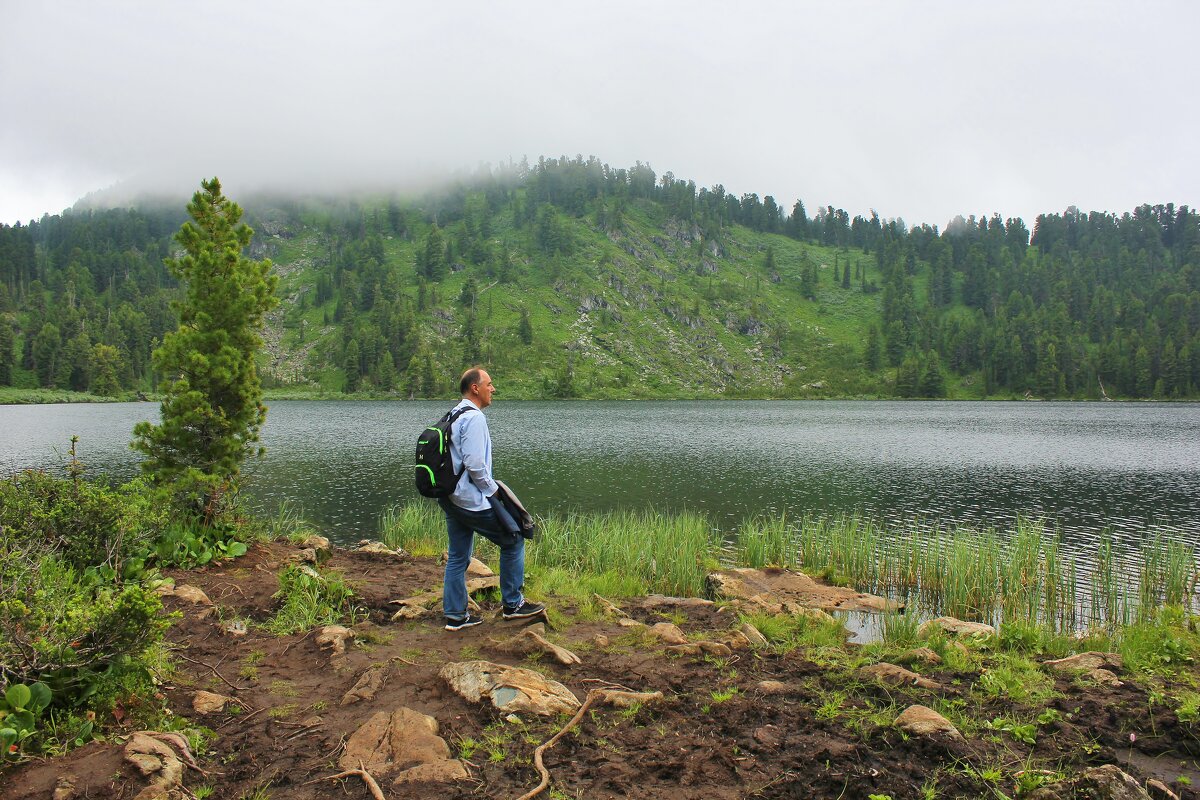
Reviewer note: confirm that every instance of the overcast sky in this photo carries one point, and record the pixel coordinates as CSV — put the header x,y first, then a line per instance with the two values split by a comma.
x,y
920,110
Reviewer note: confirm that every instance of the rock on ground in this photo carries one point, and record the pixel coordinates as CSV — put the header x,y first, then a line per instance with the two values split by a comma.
x,y
1100,783
404,743
896,676
777,591
510,689
924,721
955,627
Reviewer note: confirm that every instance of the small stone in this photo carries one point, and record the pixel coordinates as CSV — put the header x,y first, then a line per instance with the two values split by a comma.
x,y
478,569
368,684
668,633
513,719
896,676
190,594
305,556
236,628
314,721
66,789
626,622
618,698
209,702
753,635
686,649
378,548
434,772
715,649
924,721
921,655
773,687
769,736
1105,678
600,640
335,637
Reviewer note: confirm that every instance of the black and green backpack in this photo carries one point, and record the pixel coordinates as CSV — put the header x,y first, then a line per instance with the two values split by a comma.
x,y
435,469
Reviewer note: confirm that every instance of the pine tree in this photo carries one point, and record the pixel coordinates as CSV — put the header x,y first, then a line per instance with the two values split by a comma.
x,y
525,327
45,352
352,366
873,355
933,381
213,409
105,367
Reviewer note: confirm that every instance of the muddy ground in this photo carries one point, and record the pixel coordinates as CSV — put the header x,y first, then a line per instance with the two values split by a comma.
x,y
287,728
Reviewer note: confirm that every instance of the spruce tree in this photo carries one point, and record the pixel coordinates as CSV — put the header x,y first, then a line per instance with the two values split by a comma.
x,y
213,409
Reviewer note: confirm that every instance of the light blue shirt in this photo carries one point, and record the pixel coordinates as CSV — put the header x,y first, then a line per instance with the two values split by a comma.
x,y
471,452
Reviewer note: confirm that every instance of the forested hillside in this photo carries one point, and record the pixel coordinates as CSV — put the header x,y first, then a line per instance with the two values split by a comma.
x,y
570,278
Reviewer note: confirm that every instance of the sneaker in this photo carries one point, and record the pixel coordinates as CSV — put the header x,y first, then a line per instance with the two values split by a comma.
x,y
469,621
526,609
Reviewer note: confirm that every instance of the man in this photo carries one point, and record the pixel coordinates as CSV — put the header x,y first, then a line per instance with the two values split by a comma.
x,y
469,510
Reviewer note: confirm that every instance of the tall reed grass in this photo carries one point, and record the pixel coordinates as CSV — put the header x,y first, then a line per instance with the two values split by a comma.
x,y
1023,575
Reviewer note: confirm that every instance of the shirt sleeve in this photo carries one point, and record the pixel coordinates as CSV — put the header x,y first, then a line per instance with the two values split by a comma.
x,y
475,442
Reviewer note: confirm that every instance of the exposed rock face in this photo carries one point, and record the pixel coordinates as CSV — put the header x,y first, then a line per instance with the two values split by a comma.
x,y
510,689
896,676
924,721
955,627
777,591
404,743
1100,783
209,702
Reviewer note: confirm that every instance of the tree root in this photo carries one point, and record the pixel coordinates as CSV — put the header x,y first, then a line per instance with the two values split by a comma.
x,y
620,699
361,772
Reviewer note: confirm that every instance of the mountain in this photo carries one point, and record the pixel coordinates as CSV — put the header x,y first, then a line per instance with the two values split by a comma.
x,y
570,278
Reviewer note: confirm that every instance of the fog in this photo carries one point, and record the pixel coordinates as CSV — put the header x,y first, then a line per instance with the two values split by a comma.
x,y
918,110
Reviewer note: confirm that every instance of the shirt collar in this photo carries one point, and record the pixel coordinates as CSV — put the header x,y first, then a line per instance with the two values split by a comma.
x,y
471,403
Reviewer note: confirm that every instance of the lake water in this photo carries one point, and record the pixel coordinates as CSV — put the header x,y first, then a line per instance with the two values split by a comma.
x,y
1130,468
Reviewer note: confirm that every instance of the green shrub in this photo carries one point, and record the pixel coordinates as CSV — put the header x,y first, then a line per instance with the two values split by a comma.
x,y
87,524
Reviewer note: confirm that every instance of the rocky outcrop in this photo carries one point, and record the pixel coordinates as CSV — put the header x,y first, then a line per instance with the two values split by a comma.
x,y
404,744
778,591
510,689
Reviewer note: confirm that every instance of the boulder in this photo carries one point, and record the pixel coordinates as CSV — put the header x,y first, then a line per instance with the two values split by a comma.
x,y
510,689
368,684
404,743
209,702
778,591
532,641
893,675
334,637
1100,783
924,721
955,627
668,633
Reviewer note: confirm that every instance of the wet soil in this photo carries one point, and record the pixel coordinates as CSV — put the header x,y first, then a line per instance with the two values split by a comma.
x,y
719,735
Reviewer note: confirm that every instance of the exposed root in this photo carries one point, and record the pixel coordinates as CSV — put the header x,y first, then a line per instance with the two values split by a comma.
x,y
376,792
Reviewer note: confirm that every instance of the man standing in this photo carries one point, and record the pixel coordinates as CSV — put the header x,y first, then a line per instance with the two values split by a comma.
x,y
469,511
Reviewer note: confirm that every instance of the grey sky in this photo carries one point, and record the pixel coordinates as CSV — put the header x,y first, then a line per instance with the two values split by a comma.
x,y
921,110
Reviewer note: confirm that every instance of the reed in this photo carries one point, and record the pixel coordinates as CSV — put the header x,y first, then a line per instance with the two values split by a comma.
x,y
418,528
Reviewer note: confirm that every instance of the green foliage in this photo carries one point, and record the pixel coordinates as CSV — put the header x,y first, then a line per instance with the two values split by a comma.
x,y
88,525
189,543
1162,645
20,709
1022,732
309,598
213,406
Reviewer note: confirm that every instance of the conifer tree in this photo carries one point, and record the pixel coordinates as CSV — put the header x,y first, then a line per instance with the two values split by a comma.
x,y
213,407
6,352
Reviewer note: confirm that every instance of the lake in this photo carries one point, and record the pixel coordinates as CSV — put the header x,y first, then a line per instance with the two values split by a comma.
x,y
1129,468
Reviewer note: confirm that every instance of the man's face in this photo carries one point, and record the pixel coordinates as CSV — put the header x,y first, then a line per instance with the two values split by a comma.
x,y
484,390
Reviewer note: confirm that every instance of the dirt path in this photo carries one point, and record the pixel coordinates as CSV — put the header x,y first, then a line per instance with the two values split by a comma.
x,y
719,735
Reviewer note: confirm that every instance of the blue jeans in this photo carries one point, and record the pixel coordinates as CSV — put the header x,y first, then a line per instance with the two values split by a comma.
x,y
461,527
